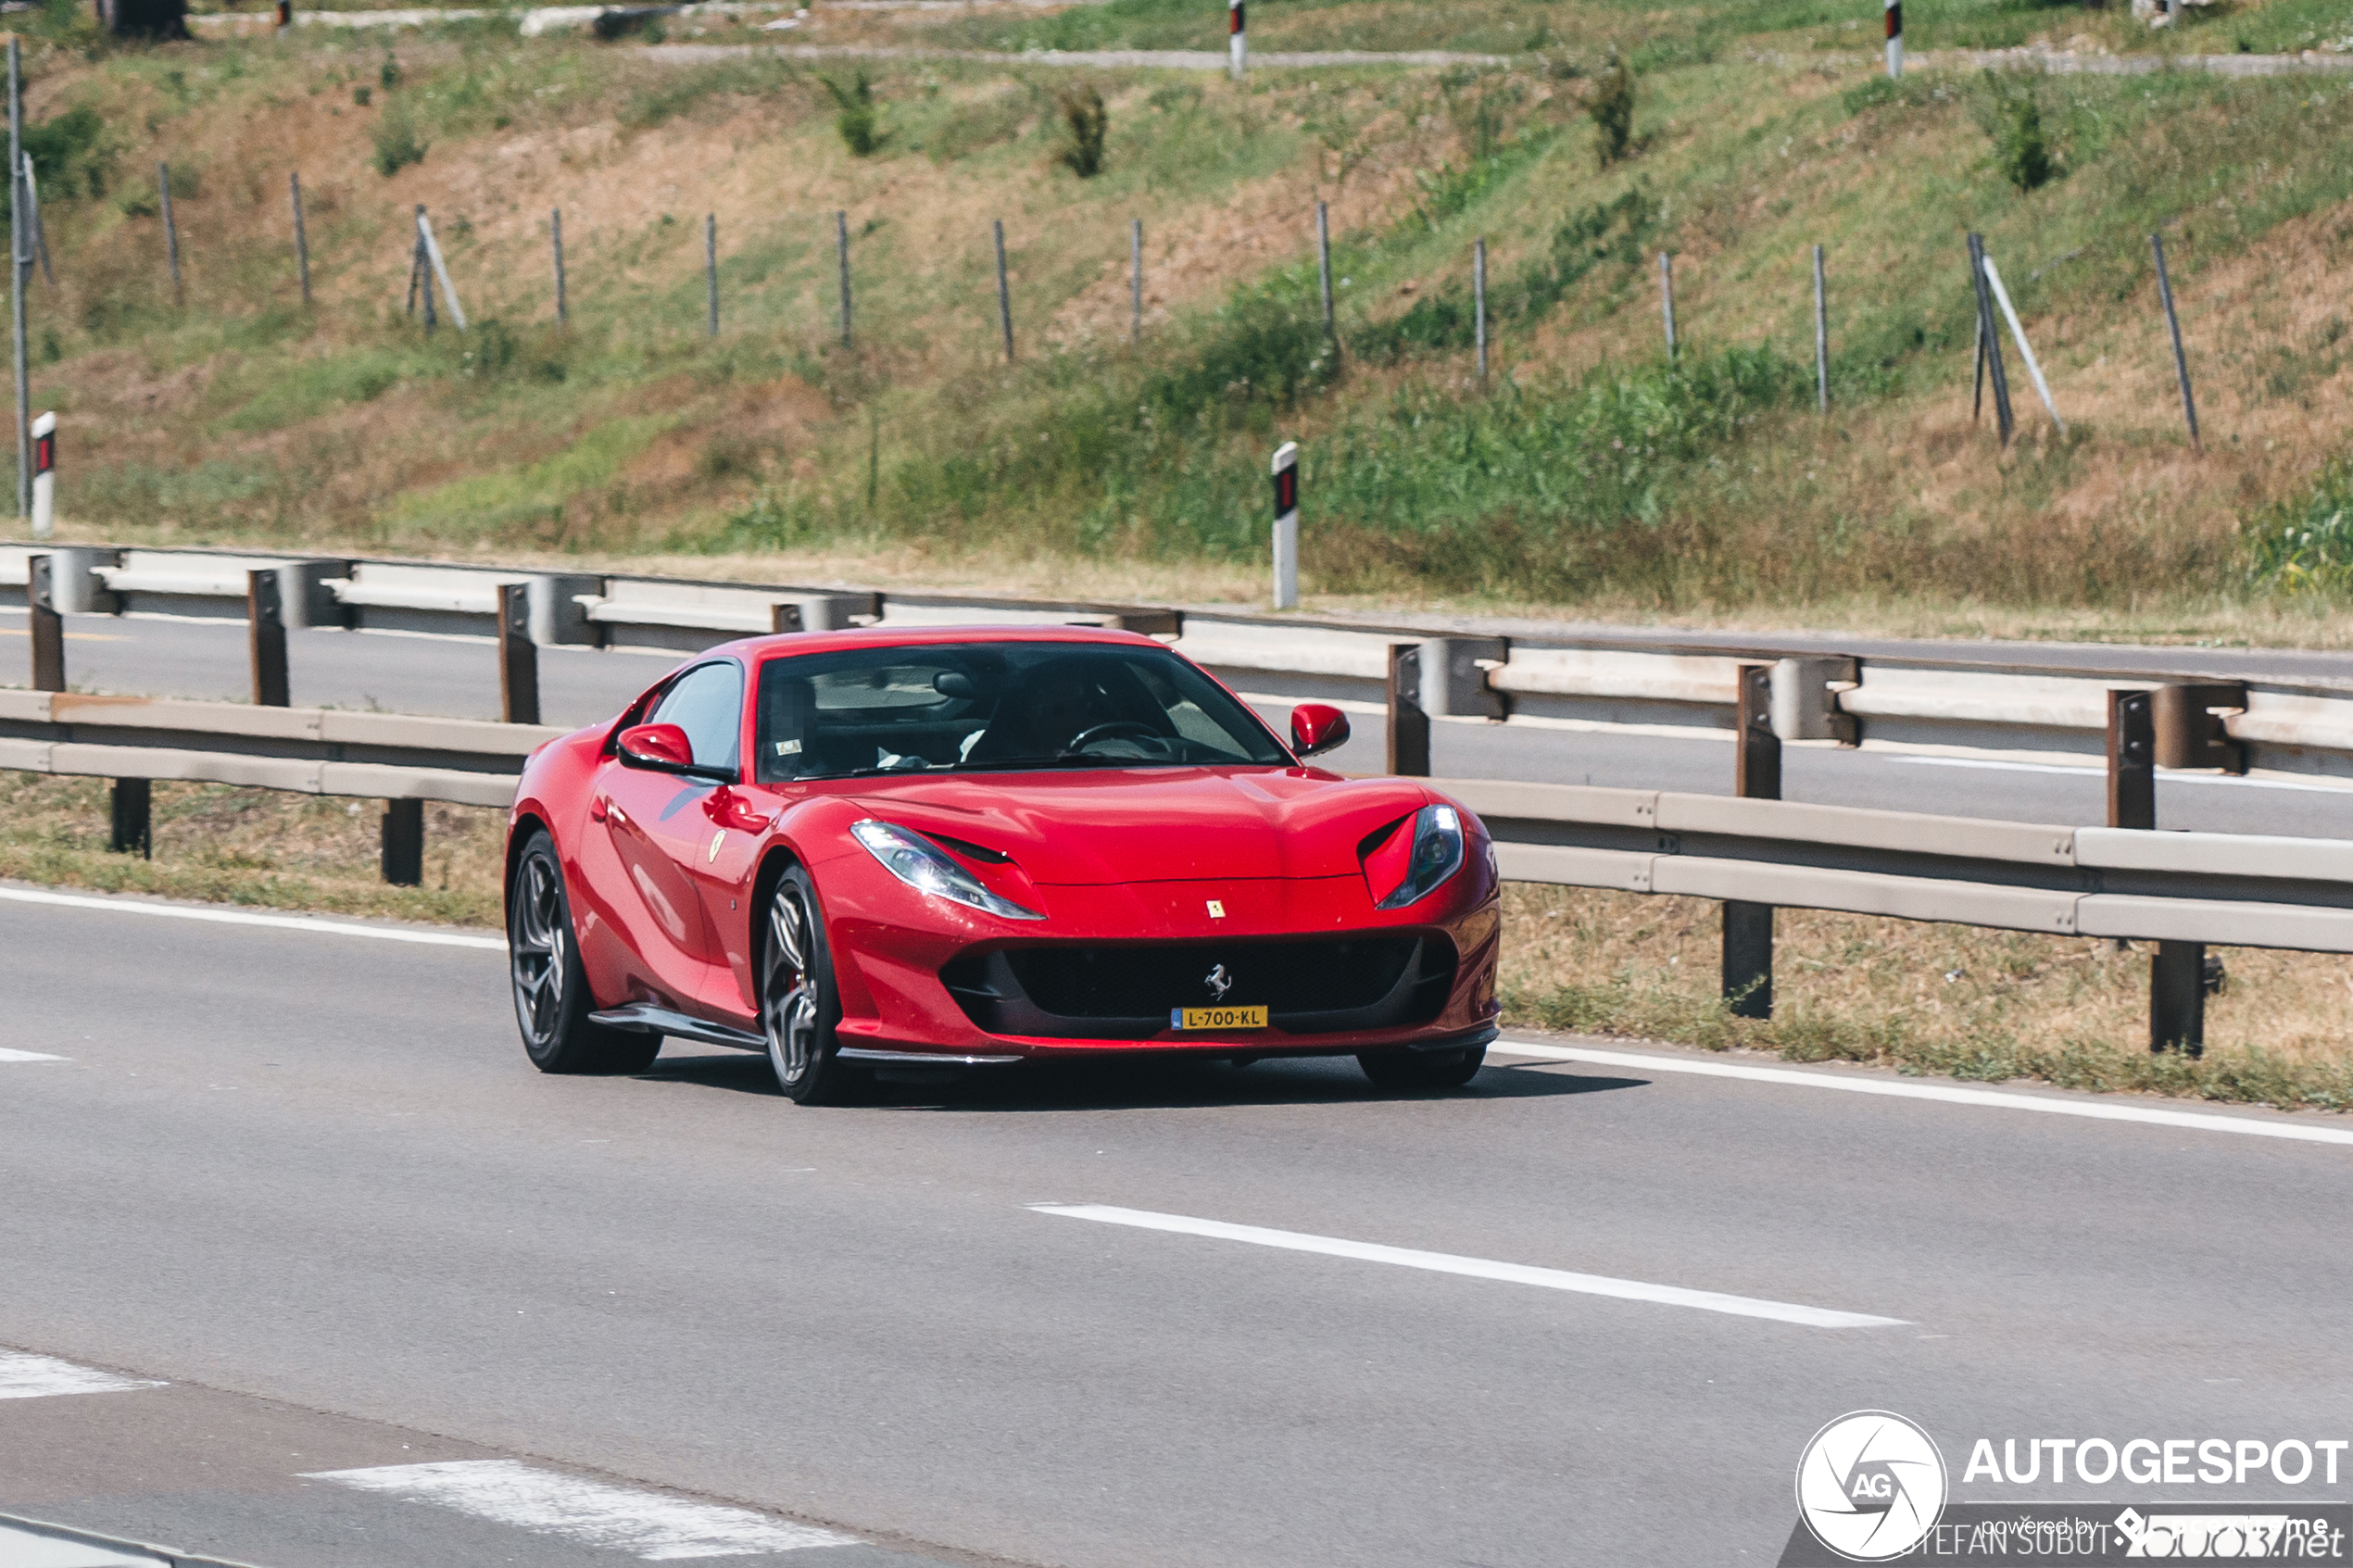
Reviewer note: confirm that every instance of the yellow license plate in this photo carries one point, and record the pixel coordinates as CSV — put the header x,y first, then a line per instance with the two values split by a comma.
x,y
1217,1018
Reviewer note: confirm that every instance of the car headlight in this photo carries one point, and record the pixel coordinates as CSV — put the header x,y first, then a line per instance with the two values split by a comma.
x,y
1437,854
924,866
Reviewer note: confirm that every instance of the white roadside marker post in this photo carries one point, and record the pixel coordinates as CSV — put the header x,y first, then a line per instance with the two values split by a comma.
x,y
1237,45
44,475
1287,526
1895,39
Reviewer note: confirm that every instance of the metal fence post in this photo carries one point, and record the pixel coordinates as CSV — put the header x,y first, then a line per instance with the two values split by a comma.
x,y
130,810
49,627
302,238
1324,261
1989,341
1004,291
1478,302
266,637
2173,325
1822,338
1757,775
404,843
556,244
1666,298
841,251
710,266
518,657
1408,721
170,232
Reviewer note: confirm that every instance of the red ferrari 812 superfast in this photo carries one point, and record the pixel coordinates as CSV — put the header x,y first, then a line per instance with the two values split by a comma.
x,y
960,847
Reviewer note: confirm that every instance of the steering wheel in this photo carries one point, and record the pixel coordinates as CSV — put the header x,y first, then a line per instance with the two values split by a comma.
x,y
1113,730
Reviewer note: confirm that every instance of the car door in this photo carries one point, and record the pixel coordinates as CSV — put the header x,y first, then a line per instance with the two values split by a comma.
x,y
655,829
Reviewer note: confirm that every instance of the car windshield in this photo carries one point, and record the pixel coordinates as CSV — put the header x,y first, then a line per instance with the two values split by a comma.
x,y
971,707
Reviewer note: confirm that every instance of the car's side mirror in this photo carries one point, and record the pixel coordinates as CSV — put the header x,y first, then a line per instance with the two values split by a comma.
x,y
1318,727
663,748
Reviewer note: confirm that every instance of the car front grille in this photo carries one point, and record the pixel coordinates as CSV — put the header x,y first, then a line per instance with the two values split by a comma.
x,y
1126,991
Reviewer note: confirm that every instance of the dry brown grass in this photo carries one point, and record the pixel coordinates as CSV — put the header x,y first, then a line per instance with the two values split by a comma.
x,y
252,846
1937,998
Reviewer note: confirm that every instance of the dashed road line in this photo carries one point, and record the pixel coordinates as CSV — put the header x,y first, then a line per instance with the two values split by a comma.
x,y
240,917
9,1054
24,1375
650,1525
1475,1268
1995,1099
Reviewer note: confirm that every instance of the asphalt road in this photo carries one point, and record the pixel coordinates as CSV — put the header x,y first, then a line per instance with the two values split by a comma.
x,y
309,1182
457,676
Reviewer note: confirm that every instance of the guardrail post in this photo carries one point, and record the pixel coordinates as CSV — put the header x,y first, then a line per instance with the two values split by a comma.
x,y
404,843
1757,775
2177,971
1408,723
2131,760
2177,997
265,636
518,657
785,616
49,627
131,805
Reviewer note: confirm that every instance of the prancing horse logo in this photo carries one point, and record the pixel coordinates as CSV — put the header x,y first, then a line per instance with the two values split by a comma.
x,y
1218,982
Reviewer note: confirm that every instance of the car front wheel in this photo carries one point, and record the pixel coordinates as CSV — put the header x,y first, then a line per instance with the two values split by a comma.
x,y
799,1007
552,1003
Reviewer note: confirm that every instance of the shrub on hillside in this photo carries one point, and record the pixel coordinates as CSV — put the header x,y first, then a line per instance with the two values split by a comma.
x,y
70,154
2013,119
398,145
2309,546
855,117
1612,105
1088,121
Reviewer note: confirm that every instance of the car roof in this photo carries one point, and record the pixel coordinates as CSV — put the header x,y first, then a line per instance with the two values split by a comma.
x,y
756,650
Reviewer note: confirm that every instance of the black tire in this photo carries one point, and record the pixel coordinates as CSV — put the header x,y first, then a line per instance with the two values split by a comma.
x,y
1422,1070
800,1005
552,1003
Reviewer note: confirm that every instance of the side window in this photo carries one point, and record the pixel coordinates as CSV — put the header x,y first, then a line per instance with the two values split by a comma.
x,y
708,703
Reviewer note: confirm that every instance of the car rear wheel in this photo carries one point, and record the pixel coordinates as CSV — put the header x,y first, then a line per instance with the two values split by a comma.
x,y
552,1003
1422,1070
799,1007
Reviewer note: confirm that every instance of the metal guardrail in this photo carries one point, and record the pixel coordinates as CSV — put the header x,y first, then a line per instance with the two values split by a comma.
x,y
1979,707
2182,890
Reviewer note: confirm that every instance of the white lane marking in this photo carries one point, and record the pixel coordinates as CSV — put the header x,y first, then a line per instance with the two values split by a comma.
x,y
648,1525
238,916
22,1548
24,1375
1995,1100
1475,1268
2094,770
8,1055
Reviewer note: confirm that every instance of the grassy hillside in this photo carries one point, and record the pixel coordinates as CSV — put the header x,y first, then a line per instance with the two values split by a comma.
x,y
1590,472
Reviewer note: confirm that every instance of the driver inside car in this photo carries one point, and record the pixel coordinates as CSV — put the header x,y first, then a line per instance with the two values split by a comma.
x,y
1059,702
